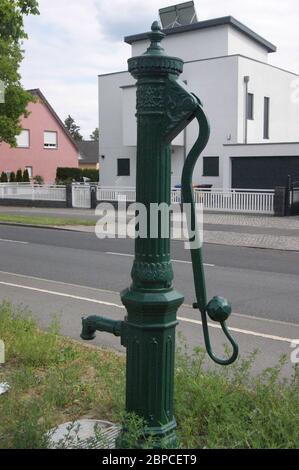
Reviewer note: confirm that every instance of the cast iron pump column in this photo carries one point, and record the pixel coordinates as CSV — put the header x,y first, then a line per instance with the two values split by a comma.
x,y
164,109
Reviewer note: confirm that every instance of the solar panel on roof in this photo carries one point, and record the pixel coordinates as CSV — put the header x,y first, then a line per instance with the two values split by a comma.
x,y
178,15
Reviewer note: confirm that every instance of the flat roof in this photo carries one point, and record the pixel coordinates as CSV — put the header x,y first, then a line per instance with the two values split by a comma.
x,y
226,20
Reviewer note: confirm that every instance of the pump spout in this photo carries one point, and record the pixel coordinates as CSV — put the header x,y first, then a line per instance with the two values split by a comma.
x,y
94,323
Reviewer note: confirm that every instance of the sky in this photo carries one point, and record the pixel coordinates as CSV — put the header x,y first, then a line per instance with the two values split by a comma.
x,y
74,41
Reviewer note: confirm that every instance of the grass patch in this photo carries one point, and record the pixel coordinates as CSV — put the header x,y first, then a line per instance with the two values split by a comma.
x,y
55,380
41,220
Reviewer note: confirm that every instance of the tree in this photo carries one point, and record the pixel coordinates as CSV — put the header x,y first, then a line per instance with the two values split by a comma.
x,y
3,178
19,176
12,177
26,178
12,34
73,129
95,135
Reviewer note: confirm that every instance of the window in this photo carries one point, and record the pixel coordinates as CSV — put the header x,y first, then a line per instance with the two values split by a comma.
x,y
50,140
266,117
250,106
123,167
23,139
210,166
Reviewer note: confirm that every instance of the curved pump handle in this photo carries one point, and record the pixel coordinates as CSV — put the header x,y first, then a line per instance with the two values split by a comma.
x,y
218,308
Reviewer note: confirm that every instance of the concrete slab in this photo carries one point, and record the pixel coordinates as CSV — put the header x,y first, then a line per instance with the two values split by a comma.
x,y
84,434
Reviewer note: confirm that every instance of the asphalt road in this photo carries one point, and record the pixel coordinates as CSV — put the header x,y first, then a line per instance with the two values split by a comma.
x,y
262,283
72,273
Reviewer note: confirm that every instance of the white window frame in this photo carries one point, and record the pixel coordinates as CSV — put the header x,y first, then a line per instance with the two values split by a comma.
x,y
20,136
49,145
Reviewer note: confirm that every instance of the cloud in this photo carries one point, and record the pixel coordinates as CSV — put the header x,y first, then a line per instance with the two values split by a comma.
x,y
65,53
73,41
119,18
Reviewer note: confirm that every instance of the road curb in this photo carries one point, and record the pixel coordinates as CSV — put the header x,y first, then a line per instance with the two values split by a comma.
x,y
49,227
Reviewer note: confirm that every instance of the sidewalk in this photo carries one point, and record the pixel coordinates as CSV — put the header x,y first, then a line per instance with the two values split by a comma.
x,y
278,233
256,231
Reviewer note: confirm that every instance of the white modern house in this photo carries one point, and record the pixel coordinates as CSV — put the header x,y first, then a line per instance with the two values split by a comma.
x,y
253,108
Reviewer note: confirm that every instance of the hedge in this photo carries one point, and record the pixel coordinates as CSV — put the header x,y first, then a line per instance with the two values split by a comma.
x,y
77,174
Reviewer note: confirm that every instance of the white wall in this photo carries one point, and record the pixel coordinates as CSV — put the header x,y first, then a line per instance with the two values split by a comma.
x,y
219,83
192,45
111,123
239,43
217,41
129,121
268,81
213,81
262,150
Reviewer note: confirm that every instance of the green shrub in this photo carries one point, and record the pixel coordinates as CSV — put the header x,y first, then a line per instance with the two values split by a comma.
x,y
93,175
64,174
3,178
26,178
19,176
38,179
67,175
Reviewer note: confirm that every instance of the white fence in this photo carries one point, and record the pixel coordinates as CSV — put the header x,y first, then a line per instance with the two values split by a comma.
x,y
221,200
116,194
129,194
81,196
32,192
233,200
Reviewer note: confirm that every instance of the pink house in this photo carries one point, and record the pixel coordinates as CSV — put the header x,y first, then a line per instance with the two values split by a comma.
x,y
43,145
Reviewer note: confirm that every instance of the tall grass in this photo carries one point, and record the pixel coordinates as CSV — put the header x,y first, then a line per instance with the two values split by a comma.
x,y
55,380
232,408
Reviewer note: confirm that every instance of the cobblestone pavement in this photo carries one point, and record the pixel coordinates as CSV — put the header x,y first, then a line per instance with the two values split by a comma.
x,y
277,233
252,220
257,240
275,239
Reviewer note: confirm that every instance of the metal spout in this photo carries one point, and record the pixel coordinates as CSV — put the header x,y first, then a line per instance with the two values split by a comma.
x,y
94,323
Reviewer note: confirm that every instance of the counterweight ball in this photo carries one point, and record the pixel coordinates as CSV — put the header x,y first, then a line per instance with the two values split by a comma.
x,y
219,309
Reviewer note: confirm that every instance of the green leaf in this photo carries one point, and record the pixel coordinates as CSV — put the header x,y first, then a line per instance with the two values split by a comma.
x,y
12,34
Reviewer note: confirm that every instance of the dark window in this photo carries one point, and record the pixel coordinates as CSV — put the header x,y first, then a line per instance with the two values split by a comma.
x,y
210,166
266,117
250,106
123,167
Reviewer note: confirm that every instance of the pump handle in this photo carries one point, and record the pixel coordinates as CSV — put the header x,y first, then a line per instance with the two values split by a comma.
x,y
218,308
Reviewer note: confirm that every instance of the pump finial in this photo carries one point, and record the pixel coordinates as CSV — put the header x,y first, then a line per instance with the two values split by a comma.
x,y
156,35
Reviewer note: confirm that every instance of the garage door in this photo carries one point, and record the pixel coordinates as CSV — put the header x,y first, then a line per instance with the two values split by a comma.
x,y
263,172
